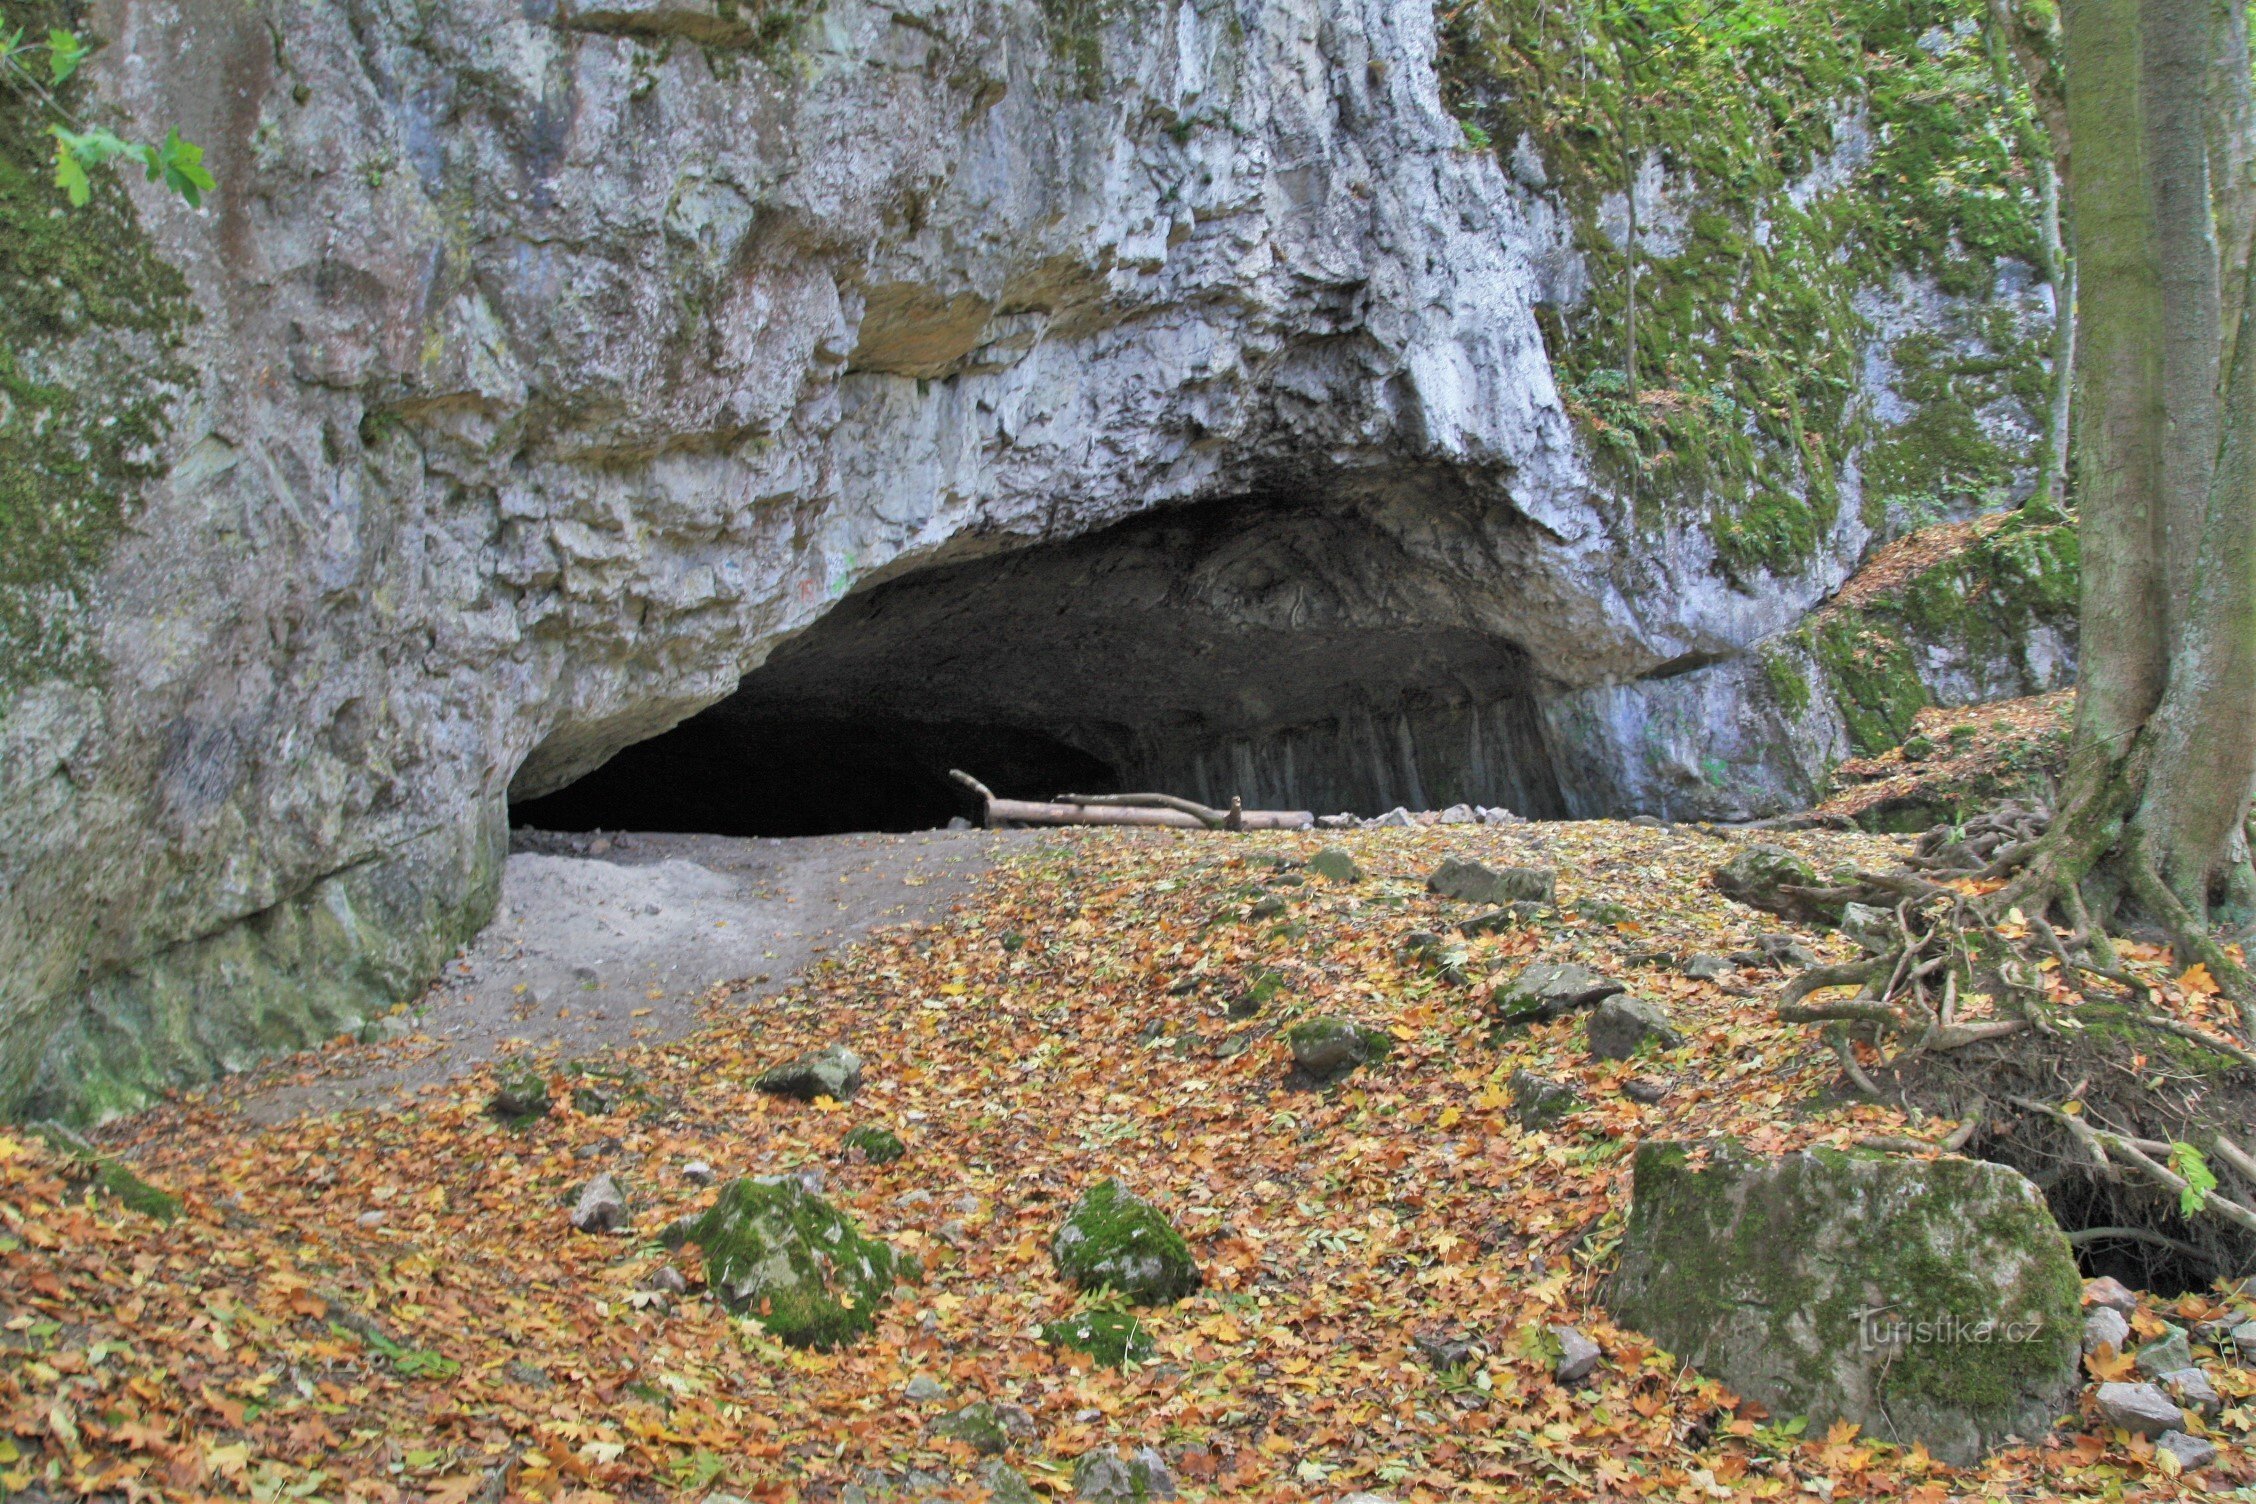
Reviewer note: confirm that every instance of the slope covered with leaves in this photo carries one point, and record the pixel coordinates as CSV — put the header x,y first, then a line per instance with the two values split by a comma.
x,y
395,1307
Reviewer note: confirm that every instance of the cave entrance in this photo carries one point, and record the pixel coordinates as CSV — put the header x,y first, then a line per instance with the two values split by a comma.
x,y
1294,655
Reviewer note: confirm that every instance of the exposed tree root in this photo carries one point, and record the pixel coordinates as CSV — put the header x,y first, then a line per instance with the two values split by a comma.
x,y
2004,953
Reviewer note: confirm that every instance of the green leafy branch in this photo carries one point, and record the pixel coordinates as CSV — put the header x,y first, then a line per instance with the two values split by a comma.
x,y
38,69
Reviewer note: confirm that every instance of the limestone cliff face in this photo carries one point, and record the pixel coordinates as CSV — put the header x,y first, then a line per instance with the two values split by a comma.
x,y
559,362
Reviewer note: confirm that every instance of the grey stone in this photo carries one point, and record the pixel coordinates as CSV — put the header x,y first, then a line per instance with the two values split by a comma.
x,y
1578,1355
1108,1478
2192,1452
1458,814
666,1280
2142,1408
1650,1090
1397,818
1005,1484
1536,1102
1328,1048
2105,1327
2166,1353
1707,968
834,1071
1496,921
923,1389
1807,1283
602,1206
1336,864
2244,1339
977,1426
1873,928
1475,882
697,1172
1621,1026
1548,989
2191,1388
2111,1293
1762,877
1444,1350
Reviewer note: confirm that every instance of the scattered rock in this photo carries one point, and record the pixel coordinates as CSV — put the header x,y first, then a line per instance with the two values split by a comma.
x,y
1114,1337
1268,906
1549,989
2244,1339
976,1426
1109,1478
1458,814
776,1251
2166,1354
666,1280
1116,1240
875,1144
1329,1048
1005,1484
1336,864
370,1221
1475,882
1397,818
1430,951
1650,1090
2142,1408
1760,877
520,1096
2105,1327
697,1172
1873,928
2192,1452
2191,1388
834,1072
1767,1274
1536,1102
602,1206
1707,968
1578,1355
2110,1292
923,1389
1496,921
1623,1025
1446,1351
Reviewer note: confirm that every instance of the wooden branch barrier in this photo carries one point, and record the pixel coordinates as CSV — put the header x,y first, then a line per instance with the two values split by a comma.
x,y
1128,809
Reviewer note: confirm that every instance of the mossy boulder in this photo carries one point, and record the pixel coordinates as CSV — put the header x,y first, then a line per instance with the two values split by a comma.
x,y
520,1096
777,1252
1550,990
1109,1334
977,1426
1325,1049
1622,1026
1537,1102
1336,864
1928,1301
1476,882
1115,1240
834,1072
1767,877
876,1145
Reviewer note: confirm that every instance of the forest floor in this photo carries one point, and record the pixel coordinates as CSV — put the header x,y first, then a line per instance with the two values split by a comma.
x,y
394,1305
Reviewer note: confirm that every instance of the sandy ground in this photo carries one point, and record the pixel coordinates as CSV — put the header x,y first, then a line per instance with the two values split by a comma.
x,y
603,941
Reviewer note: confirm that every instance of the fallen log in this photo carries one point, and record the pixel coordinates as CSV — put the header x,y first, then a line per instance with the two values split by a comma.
x,y
1129,809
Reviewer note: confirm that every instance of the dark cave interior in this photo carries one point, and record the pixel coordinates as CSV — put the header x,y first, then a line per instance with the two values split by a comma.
x,y
1295,655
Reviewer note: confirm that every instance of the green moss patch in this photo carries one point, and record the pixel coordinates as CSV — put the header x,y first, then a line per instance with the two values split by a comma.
x,y
879,1146
782,1255
1743,403
1113,1335
90,330
1117,1241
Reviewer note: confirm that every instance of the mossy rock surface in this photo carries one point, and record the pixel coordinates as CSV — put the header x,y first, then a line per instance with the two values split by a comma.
x,y
1336,864
520,1096
1115,1240
1477,882
834,1072
1114,1337
1550,990
1761,877
977,1426
777,1252
1928,1301
879,1146
1326,1049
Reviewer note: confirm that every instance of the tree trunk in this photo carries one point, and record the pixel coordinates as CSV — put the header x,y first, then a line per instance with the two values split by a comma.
x,y
2119,420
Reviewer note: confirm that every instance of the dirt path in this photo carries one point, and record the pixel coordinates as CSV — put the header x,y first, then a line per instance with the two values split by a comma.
x,y
603,941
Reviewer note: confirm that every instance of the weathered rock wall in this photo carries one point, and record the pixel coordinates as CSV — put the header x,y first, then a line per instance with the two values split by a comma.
x,y
555,364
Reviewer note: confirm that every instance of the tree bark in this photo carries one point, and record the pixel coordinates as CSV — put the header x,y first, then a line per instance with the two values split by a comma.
x,y
2119,419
